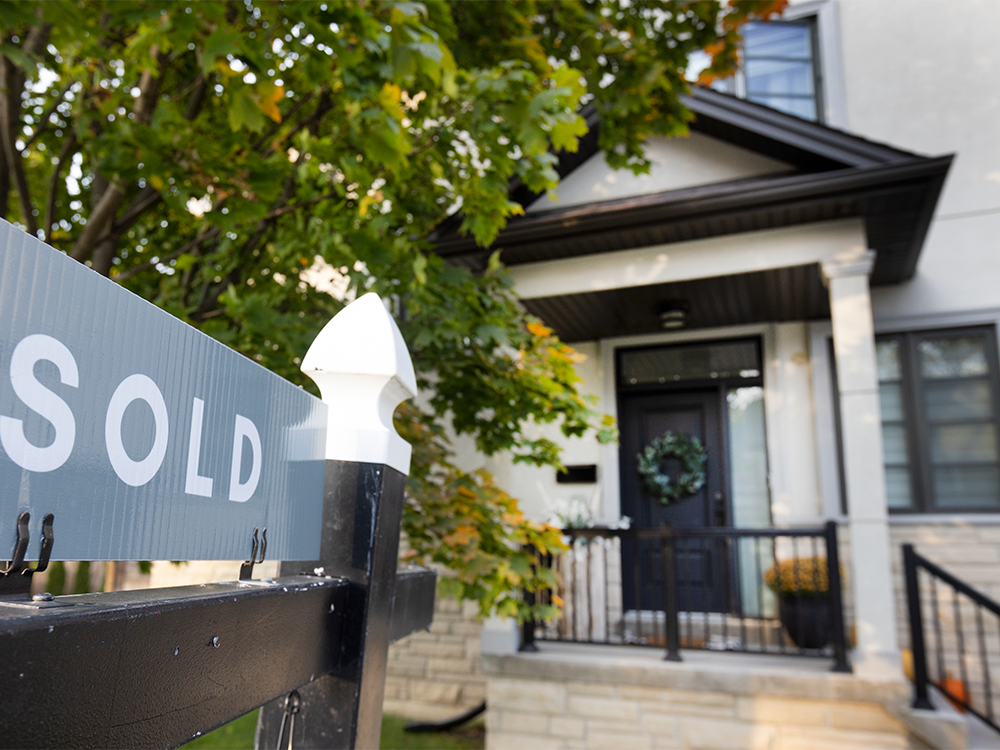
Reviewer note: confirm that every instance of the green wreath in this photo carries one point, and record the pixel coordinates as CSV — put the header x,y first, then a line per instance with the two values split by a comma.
x,y
688,450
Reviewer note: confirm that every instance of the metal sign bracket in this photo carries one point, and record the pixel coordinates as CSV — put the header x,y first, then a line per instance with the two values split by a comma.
x,y
15,576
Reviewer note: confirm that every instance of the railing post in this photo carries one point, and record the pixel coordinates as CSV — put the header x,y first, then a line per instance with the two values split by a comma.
x,y
668,561
528,626
920,697
836,597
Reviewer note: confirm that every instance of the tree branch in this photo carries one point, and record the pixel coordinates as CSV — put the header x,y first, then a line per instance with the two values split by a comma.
x,y
192,245
10,96
100,225
50,205
147,198
197,97
261,144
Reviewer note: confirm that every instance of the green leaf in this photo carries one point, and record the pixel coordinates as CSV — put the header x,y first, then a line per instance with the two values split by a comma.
x,y
20,58
420,268
244,112
185,261
450,587
219,43
489,333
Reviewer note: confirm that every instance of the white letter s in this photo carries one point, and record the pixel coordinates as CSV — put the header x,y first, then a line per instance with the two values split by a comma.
x,y
41,400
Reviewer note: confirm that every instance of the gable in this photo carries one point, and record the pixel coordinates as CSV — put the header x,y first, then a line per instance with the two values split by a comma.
x,y
783,171
675,163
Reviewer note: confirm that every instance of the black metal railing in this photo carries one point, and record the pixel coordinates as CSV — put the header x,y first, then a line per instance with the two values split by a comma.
x,y
775,591
963,650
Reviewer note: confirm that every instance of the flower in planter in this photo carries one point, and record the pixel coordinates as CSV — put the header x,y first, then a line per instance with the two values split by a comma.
x,y
802,576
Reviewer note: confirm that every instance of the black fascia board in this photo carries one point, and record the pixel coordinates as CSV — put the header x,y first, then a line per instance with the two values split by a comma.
x,y
718,200
809,145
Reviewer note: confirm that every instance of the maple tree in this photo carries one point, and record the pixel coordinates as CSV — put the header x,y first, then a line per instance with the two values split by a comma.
x,y
235,162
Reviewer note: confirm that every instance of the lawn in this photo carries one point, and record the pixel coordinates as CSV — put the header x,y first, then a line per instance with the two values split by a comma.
x,y
238,735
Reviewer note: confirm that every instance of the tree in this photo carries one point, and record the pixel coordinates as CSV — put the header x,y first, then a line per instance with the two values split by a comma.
x,y
221,158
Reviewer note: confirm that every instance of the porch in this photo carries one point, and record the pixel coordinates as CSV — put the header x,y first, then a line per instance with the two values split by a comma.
x,y
756,591
569,695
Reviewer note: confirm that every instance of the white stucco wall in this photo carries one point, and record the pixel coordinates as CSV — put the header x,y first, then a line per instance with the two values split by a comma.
x,y
676,163
935,92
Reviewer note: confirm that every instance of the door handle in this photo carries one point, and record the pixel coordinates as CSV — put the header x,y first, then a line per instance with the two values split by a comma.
x,y
719,507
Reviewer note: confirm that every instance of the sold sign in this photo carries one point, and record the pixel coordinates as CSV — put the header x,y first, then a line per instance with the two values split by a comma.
x,y
145,438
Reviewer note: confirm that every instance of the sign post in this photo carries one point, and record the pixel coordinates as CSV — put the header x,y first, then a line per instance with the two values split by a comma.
x,y
126,434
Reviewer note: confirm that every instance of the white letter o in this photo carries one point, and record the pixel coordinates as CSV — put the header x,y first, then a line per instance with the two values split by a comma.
x,y
135,473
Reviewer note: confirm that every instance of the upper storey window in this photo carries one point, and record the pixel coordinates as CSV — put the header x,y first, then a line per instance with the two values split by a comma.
x,y
780,68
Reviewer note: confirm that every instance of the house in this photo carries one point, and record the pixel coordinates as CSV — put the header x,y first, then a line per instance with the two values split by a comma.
x,y
809,284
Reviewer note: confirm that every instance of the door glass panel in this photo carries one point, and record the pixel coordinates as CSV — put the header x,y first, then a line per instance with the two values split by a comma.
x,y
963,443
748,457
957,357
673,364
964,399
966,487
751,503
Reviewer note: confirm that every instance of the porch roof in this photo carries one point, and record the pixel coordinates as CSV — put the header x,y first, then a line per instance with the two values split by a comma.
x,y
838,175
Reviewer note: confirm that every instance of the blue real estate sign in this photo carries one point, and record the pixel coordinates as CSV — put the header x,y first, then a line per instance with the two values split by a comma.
x,y
145,438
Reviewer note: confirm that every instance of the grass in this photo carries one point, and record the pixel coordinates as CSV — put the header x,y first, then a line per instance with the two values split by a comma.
x,y
238,735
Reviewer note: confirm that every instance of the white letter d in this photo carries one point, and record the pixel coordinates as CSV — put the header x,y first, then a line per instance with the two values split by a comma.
x,y
240,493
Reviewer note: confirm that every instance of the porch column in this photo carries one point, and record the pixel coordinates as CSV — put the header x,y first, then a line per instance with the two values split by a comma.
x,y
877,653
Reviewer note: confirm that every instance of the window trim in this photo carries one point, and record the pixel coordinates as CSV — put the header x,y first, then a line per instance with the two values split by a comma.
x,y
827,25
916,422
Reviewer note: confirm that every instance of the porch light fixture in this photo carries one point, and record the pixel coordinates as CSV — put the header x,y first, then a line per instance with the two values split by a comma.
x,y
673,314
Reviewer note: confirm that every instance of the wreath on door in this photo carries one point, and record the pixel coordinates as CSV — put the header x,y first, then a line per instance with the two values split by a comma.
x,y
691,454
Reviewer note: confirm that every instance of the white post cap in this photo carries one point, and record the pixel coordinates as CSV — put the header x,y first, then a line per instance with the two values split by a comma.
x,y
363,369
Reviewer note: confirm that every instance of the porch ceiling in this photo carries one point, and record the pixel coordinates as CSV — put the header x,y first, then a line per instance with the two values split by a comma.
x,y
782,294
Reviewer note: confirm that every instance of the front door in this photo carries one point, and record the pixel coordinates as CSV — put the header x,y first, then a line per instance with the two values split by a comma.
x,y
643,417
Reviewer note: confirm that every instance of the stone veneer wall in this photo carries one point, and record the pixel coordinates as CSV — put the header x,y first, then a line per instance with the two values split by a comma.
x,y
436,675
535,715
569,700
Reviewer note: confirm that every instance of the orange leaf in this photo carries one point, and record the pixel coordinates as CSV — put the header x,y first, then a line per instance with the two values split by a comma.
x,y
267,99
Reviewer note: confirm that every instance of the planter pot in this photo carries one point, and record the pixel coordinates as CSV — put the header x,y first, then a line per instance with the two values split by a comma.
x,y
806,619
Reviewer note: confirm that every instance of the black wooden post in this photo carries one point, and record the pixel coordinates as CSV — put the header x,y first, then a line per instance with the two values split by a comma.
x,y
668,560
836,594
920,697
361,543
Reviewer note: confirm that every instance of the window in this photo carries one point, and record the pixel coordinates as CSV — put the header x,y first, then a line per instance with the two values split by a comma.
x,y
938,393
780,68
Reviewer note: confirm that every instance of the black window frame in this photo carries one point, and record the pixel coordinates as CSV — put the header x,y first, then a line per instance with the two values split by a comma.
x,y
917,424
737,84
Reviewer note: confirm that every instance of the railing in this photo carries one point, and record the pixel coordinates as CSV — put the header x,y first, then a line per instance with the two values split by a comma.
x,y
964,649
714,588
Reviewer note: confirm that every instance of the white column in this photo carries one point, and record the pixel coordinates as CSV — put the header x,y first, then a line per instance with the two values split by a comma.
x,y
877,652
